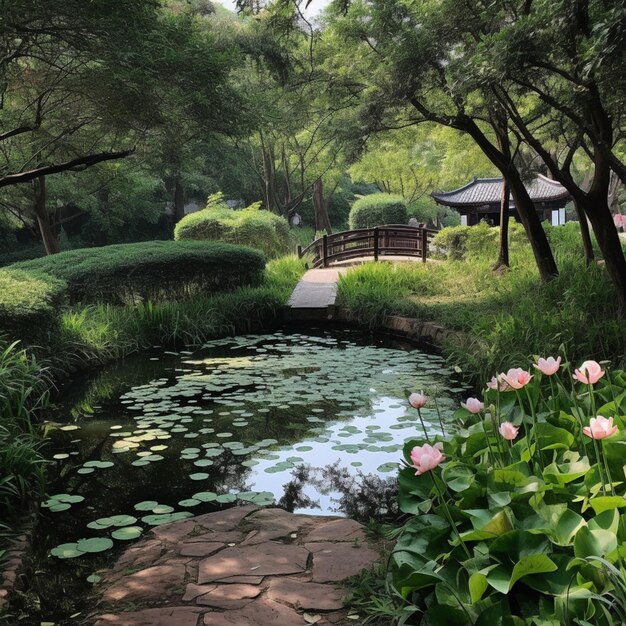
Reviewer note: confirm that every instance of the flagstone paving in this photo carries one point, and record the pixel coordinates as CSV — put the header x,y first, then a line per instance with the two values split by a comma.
x,y
244,566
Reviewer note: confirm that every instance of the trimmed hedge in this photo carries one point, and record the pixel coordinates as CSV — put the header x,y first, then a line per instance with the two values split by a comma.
x,y
250,227
155,270
378,209
29,303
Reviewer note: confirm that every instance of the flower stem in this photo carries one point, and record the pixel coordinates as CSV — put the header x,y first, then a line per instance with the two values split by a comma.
x,y
599,458
534,416
444,504
443,430
419,413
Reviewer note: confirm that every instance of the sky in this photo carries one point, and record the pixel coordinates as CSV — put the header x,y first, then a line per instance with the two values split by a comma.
x,y
314,8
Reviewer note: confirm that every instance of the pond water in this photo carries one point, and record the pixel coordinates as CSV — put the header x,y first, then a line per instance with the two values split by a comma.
x,y
313,422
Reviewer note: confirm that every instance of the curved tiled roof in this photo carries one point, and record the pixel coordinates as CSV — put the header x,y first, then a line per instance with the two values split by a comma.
x,y
481,191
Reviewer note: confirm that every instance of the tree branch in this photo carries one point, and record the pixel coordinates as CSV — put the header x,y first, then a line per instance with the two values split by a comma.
x,y
75,165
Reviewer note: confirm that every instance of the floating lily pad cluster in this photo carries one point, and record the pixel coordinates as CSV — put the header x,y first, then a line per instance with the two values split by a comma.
x,y
61,502
250,407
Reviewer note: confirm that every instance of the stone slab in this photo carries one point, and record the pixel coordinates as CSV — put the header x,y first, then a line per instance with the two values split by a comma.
x,y
164,616
301,594
234,596
200,548
268,559
334,562
337,530
262,612
150,584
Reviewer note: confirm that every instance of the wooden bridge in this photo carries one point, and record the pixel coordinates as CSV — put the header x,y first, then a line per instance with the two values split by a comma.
x,y
314,296
392,240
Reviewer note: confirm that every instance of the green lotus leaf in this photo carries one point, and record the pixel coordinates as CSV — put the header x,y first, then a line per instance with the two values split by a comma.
x,y
127,533
166,518
94,544
146,505
66,551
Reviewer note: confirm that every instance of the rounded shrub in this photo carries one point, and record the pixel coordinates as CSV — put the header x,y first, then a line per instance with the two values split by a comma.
x,y
378,209
150,270
250,227
29,304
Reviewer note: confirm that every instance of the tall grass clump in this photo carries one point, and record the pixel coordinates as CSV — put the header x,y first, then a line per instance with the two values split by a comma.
x,y
23,392
500,317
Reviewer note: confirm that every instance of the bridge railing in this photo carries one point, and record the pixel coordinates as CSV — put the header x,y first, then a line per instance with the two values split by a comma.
x,y
376,242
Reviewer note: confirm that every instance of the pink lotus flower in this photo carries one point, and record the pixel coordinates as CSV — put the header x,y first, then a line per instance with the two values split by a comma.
x,y
418,400
473,405
516,377
426,458
620,220
508,431
589,373
548,366
600,428
497,382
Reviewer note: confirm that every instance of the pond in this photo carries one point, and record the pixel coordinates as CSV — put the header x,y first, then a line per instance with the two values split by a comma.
x,y
312,422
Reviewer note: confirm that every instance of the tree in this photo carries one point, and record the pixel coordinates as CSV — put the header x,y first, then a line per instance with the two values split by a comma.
x,y
81,86
553,67
300,144
411,54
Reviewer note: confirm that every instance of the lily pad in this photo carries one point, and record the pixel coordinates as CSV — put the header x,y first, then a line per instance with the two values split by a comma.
x,y
66,551
127,533
166,518
94,544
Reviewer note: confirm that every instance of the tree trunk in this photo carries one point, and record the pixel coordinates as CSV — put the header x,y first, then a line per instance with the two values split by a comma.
x,y
179,199
524,205
503,254
320,208
585,234
532,224
49,237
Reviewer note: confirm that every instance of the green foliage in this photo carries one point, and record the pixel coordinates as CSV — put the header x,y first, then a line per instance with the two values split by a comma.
x,y
23,391
378,209
105,332
500,317
250,226
425,210
150,270
461,242
29,303
527,531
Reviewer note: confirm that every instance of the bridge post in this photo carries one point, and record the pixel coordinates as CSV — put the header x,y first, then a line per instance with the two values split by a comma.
x,y
376,244
325,251
424,244
299,251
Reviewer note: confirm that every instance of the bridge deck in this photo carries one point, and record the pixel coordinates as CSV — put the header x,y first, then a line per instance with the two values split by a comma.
x,y
315,295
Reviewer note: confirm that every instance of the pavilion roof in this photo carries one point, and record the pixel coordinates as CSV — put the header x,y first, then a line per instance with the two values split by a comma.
x,y
480,191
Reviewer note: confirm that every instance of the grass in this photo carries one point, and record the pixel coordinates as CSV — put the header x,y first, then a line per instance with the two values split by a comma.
x,y
506,318
23,393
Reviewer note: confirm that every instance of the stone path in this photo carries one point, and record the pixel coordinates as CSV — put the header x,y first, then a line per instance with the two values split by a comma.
x,y
244,566
314,296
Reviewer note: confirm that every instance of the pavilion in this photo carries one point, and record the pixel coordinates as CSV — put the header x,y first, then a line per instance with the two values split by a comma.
x,y
480,199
